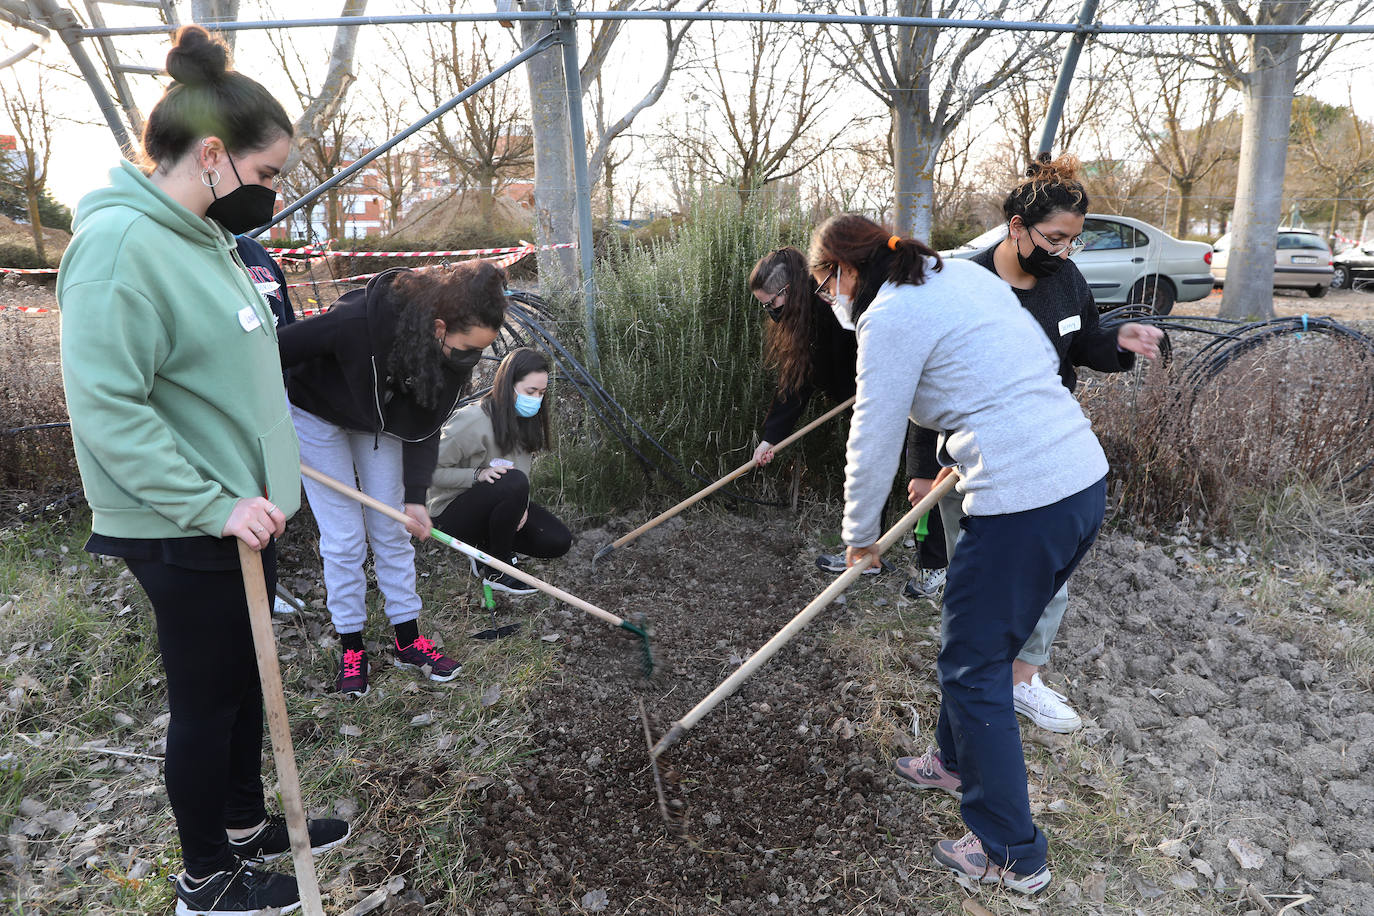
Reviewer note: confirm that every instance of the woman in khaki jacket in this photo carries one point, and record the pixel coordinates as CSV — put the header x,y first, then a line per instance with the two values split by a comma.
x,y
481,488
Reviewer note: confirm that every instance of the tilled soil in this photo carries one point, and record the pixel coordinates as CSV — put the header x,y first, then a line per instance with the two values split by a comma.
x,y
1263,741
782,802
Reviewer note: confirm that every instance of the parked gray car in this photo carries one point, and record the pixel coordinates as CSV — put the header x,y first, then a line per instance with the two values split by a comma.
x,y
1354,267
1128,260
1301,261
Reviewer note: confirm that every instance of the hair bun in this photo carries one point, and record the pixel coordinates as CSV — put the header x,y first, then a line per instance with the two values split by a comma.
x,y
197,59
1043,168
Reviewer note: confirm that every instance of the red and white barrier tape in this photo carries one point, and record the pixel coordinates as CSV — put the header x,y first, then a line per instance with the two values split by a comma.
x,y
28,270
326,252
27,310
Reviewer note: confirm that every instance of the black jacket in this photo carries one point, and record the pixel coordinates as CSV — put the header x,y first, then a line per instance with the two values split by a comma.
x,y
267,276
1063,305
338,371
834,359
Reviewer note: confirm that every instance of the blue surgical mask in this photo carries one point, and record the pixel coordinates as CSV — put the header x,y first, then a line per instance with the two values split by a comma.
x,y
527,405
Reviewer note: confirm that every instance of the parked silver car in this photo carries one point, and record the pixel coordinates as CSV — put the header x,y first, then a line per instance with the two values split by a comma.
x,y
1128,260
1301,261
1354,267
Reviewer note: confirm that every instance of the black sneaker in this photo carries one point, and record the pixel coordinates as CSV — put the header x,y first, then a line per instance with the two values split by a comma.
x,y
272,840
835,563
504,582
242,892
352,678
422,654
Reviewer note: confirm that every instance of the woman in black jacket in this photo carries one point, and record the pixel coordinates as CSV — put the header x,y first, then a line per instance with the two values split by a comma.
x,y
810,349
371,383
1045,214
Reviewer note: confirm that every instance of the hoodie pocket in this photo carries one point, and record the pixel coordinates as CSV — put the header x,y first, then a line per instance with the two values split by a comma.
x,y
281,462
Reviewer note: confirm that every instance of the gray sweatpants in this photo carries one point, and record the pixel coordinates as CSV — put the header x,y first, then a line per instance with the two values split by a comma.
x,y
346,528
1036,651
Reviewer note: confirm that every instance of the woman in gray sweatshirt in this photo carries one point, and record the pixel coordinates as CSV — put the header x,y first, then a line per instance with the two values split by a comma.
x,y
946,345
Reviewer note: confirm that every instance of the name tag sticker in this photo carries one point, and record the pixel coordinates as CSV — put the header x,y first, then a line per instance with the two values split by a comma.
x,y
1070,324
248,318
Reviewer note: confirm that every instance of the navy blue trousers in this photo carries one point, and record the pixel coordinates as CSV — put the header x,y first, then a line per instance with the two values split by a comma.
x,y
1007,568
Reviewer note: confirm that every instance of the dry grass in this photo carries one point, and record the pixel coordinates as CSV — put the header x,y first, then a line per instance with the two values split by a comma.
x,y
1196,440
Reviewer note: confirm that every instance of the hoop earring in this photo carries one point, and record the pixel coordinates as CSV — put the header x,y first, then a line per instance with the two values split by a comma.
x,y
207,179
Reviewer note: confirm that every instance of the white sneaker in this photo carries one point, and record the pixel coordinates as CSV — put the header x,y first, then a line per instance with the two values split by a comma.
x,y
1047,708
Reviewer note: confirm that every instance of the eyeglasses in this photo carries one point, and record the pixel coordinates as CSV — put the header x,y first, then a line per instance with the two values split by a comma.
x,y
772,304
1073,246
827,297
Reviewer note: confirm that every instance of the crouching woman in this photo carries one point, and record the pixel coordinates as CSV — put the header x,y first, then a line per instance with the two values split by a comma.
x,y
481,488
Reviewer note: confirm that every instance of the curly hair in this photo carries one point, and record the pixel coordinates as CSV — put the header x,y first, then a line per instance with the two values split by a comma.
x,y
1050,185
787,341
463,295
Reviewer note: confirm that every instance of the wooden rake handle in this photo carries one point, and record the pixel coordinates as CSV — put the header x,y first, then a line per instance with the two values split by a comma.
x,y
796,624
736,473
269,673
450,541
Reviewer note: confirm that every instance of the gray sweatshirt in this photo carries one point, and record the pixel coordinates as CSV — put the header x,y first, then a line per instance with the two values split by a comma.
x,y
958,354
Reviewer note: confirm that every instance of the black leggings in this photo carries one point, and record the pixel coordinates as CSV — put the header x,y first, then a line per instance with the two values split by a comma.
x,y
214,739
486,516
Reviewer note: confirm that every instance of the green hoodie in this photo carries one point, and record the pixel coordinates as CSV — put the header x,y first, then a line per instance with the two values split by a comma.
x,y
169,360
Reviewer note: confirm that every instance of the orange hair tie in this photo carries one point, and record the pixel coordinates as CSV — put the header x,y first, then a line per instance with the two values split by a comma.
x,y
892,242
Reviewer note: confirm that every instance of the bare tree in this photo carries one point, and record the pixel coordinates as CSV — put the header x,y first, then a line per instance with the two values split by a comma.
x,y
26,169
1195,137
210,12
487,139
930,79
1022,104
765,124
1266,68
395,168
1340,158
319,106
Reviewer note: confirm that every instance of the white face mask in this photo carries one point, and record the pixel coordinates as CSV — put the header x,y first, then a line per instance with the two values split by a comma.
x,y
842,306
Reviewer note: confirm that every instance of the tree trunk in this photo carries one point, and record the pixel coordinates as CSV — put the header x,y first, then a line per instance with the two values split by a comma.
x,y
555,198
209,12
36,223
1185,206
1268,95
914,152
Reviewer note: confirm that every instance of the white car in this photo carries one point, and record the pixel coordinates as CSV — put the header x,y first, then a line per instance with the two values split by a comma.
x,y
1301,261
1127,260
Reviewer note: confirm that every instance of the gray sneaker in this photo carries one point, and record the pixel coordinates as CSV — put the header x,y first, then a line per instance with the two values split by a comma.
x,y
835,563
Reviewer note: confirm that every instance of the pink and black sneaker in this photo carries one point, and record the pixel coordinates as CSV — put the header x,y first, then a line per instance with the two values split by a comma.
x,y
422,655
352,673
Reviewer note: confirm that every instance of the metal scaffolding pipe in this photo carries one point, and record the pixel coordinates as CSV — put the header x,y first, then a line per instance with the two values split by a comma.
x,y
71,32
1066,70
342,176
795,18
577,140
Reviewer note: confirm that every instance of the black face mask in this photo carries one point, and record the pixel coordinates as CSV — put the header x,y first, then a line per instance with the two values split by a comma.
x,y
245,208
463,361
774,312
1039,263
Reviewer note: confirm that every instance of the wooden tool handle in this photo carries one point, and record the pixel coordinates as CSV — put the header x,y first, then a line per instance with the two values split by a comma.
x,y
736,473
269,673
797,623
461,547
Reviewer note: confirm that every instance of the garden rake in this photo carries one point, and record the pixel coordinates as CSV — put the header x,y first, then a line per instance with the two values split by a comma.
x,y
796,624
483,557
711,488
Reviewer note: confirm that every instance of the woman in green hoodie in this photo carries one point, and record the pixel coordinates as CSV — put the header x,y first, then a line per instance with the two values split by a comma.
x,y
179,419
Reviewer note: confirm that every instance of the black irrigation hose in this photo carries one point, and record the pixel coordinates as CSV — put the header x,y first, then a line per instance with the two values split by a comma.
x,y
24,429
